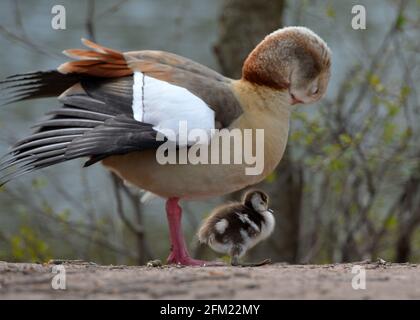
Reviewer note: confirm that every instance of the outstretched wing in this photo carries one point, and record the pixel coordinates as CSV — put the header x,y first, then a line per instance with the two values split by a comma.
x,y
205,83
115,104
101,62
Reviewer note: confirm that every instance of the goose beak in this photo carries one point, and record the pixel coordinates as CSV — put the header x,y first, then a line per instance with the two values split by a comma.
x,y
294,99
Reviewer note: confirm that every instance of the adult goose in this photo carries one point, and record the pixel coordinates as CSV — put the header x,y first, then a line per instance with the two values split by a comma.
x,y
116,107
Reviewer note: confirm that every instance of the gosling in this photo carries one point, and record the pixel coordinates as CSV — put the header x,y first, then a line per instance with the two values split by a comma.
x,y
235,228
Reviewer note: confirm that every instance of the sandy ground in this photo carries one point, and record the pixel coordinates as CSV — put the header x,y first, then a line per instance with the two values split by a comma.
x,y
277,281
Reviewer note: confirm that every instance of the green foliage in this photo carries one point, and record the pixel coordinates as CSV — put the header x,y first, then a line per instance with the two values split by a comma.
x,y
405,92
391,223
401,20
27,245
345,139
389,132
271,177
376,83
39,183
330,11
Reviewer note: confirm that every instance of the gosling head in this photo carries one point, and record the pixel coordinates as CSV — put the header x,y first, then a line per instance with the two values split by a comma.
x,y
257,200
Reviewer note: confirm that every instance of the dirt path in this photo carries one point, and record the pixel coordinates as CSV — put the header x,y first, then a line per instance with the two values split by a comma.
x,y
278,281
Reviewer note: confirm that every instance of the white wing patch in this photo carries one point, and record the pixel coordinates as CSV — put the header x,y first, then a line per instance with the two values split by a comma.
x,y
166,105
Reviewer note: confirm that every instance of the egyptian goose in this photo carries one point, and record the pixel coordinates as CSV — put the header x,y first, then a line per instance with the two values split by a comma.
x,y
114,106
236,227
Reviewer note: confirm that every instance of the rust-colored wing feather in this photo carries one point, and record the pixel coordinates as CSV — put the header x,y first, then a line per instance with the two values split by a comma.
x,y
98,62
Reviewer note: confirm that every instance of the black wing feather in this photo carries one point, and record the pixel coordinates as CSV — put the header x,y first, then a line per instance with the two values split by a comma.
x,y
116,95
96,124
118,135
35,85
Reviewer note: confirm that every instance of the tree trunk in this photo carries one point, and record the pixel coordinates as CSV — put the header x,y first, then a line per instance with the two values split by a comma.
x,y
243,24
408,219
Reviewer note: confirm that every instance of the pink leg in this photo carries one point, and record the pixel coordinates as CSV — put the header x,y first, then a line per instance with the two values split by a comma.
x,y
179,252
